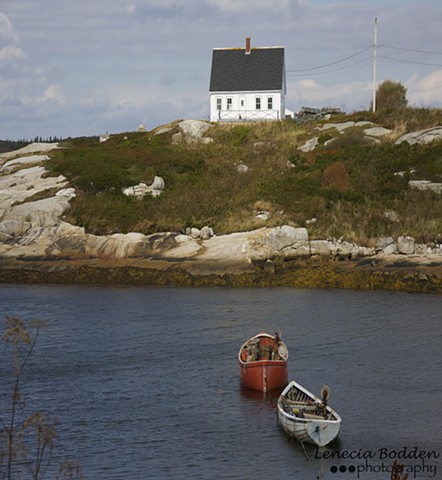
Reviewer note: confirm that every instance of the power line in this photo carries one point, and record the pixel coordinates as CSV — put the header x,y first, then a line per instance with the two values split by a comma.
x,y
328,71
324,75
331,63
297,72
400,60
429,52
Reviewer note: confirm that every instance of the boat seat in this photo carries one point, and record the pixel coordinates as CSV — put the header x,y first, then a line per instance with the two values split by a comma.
x,y
306,408
312,416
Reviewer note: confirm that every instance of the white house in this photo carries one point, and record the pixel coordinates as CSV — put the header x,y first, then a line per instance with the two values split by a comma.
x,y
247,84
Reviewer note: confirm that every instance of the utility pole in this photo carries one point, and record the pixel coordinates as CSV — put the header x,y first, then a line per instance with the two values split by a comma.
x,y
374,61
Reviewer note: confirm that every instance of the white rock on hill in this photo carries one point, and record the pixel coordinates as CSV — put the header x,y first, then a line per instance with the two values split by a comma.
x,y
422,185
421,137
11,165
309,145
142,189
31,148
377,132
192,131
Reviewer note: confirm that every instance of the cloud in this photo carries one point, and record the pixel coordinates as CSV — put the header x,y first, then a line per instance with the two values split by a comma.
x,y
11,52
168,10
236,6
54,93
308,84
425,90
6,31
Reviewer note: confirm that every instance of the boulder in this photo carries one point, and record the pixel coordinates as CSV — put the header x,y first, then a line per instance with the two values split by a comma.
x,y
283,238
157,186
341,249
425,185
138,191
192,131
363,123
242,168
421,137
319,247
309,145
384,242
206,233
340,127
142,189
195,232
194,128
377,132
406,245
390,249
263,215
162,130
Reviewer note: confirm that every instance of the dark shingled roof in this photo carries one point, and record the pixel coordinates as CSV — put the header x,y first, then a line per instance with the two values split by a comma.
x,y
233,70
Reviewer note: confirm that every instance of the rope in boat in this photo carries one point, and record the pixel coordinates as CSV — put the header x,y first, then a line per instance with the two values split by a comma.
x,y
304,450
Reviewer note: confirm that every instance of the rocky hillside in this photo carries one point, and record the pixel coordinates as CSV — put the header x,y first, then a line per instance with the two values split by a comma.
x,y
227,198
349,179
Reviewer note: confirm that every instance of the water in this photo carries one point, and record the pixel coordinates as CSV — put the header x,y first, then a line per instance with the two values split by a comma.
x,y
145,383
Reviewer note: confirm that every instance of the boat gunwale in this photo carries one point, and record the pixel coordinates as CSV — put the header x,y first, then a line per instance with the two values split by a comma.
x,y
314,398
259,363
262,361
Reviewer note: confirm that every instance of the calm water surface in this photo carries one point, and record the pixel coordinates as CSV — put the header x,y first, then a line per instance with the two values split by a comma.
x,y
145,381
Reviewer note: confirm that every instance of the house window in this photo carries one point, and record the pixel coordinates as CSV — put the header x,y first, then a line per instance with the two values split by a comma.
x,y
242,102
218,103
258,103
269,103
229,103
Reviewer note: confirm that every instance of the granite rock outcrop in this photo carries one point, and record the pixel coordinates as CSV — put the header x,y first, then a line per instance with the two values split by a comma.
x,y
32,227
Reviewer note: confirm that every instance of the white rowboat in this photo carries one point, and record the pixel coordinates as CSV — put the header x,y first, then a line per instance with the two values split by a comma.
x,y
306,417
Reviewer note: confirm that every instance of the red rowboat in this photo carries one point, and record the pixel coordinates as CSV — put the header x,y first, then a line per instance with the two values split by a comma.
x,y
263,362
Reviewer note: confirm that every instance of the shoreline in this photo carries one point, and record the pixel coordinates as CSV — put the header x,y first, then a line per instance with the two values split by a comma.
x,y
411,274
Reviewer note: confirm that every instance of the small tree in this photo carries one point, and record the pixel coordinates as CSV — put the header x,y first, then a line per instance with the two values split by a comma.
x,y
391,95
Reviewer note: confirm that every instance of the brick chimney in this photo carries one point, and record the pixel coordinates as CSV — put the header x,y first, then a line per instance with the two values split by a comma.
x,y
248,49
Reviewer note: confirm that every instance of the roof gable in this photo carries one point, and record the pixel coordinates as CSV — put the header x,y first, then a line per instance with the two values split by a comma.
x,y
234,70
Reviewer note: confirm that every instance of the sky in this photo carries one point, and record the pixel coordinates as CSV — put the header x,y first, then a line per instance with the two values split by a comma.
x,y
86,67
